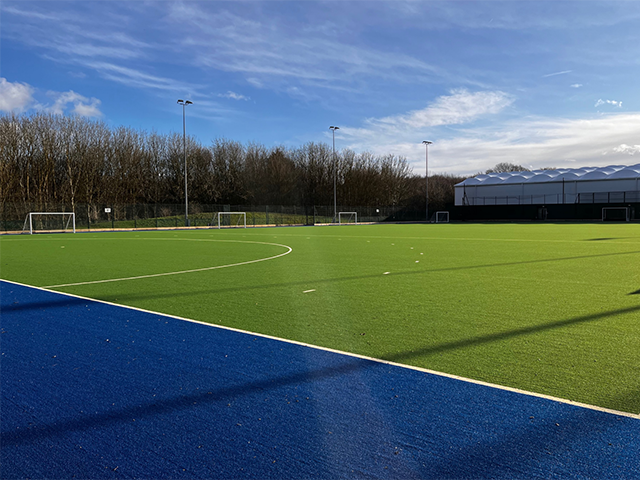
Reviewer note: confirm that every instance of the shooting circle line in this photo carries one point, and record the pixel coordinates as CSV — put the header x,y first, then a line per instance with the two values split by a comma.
x,y
204,269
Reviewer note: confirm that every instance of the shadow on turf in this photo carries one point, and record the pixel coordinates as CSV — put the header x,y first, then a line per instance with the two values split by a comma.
x,y
120,297
64,301
351,364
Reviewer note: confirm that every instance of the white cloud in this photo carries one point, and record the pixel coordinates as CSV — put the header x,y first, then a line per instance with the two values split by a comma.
x,y
536,141
628,149
81,105
576,85
615,103
460,107
233,96
14,96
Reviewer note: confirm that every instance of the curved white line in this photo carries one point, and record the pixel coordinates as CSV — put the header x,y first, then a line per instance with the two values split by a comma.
x,y
185,271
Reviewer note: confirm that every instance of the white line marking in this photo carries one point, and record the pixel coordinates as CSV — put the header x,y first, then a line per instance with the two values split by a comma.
x,y
309,291
183,271
386,273
354,355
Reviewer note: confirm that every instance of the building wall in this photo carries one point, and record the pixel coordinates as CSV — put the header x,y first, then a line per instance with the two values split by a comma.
x,y
544,193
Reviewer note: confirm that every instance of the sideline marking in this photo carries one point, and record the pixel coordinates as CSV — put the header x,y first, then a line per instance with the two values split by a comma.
x,y
308,291
184,271
349,354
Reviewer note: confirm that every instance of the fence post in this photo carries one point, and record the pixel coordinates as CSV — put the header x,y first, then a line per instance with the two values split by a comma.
x,y
266,209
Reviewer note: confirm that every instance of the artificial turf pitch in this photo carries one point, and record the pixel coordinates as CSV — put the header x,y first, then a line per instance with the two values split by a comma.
x,y
548,308
92,390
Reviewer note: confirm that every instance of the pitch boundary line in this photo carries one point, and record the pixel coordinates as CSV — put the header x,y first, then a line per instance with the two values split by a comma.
x,y
204,269
349,354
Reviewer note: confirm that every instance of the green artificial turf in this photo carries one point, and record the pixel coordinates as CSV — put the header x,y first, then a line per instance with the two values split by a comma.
x,y
547,308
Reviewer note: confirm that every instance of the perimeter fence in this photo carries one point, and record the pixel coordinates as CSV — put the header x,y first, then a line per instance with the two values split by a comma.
x,y
555,198
158,216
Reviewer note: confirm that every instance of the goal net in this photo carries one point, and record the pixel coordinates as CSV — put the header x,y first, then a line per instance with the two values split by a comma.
x,y
442,217
613,214
50,222
347,218
229,220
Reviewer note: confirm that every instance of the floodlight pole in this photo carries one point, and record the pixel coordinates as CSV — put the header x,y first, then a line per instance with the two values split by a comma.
x,y
335,173
184,149
426,173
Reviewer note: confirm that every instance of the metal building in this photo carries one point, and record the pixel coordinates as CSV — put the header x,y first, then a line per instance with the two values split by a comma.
x,y
615,184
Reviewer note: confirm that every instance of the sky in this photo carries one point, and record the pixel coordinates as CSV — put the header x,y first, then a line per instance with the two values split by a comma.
x,y
537,83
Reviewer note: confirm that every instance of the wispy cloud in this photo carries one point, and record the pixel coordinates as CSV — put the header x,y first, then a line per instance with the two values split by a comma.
x,y
576,85
233,96
15,97
269,52
557,73
136,78
615,103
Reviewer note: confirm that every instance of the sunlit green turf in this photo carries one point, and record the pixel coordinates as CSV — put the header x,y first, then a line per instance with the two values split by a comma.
x,y
547,308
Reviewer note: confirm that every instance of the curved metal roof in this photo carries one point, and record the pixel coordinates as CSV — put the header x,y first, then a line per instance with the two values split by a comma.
x,y
611,172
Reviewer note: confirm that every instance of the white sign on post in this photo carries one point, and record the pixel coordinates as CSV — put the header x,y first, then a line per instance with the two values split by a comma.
x,y
107,210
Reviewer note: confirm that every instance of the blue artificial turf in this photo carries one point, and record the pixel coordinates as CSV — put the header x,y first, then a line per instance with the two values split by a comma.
x,y
97,391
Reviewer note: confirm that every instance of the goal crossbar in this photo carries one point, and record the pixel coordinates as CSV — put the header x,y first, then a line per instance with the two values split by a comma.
x,y
220,214
349,214
71,221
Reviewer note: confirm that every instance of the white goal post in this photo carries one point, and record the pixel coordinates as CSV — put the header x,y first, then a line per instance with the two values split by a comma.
x,y
241,221
49,222
351,218
442,217
622,214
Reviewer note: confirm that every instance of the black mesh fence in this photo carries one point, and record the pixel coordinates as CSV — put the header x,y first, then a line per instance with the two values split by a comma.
x,y
158,216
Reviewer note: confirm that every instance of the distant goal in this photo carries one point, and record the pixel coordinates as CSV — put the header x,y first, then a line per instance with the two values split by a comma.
x,y
347,218
616,214
442,217
229,220
49,222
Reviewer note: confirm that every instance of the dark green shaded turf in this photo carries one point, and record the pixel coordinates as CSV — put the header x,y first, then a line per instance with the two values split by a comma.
x,y
548,308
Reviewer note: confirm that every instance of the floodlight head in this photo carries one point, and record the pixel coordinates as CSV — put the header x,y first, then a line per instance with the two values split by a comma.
x,y
180,101
188,102
334,128
427,142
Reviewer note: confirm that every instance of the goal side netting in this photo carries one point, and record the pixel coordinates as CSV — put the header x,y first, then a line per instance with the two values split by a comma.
x,y
347,218
442,217
229,220
49,222
616,214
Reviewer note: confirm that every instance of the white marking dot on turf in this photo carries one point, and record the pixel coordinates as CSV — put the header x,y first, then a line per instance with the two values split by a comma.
x,y
308,291
417,261
386,273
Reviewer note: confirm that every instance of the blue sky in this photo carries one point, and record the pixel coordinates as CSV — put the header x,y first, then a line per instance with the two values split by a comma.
x,y
538,83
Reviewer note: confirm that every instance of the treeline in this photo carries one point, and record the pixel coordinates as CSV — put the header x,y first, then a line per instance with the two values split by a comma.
x,y
49,160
